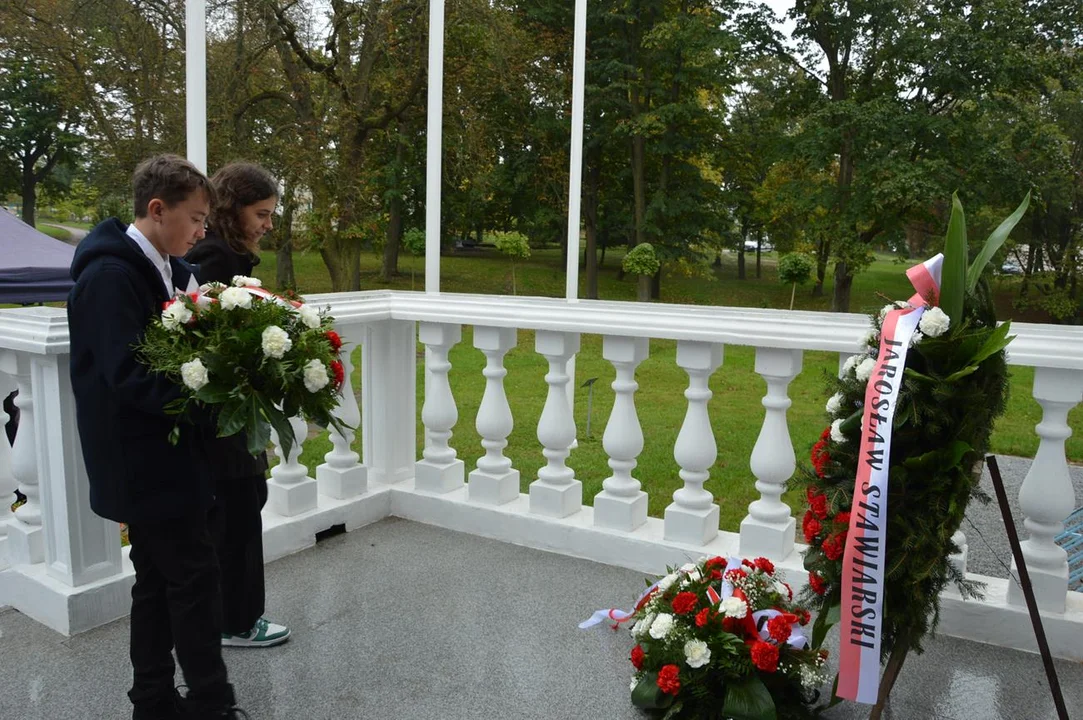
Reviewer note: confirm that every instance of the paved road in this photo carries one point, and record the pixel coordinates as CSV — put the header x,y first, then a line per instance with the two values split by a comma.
x,y
77,234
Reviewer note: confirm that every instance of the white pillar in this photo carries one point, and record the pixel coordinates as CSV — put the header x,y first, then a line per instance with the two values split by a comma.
x,y
341,476
692,517
440,471
7,477
26,543
768,529
575,170
389,400
1047,496
495,481
434,135
80,546
622,505
290,491
195,75
556,492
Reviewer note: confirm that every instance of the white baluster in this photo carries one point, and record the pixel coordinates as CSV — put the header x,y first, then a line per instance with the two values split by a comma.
x,y
26,544
692,517
1047,496
622,505
495,481
290,491
7,477
556,492
768,529
389,400
440,471
340,475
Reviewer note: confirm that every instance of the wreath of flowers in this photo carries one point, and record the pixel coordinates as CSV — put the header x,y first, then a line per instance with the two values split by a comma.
x,y
255,357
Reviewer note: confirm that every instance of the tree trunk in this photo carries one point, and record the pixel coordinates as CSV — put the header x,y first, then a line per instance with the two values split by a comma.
x,y
656,285
30,198
284,273
643,288
590,222
639,186
823,251
342,256
741,263
840,301
393,239
759,253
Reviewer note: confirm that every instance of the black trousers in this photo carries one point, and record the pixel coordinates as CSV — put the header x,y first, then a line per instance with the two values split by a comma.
x,y
176,605
237,530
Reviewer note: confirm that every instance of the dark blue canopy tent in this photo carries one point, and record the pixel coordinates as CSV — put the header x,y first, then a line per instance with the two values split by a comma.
x,y
33,266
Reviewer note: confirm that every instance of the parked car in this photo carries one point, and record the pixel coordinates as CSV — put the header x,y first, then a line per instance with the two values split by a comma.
x,y
1011,267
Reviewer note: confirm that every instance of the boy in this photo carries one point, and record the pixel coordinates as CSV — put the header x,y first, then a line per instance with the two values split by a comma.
x,y
162,491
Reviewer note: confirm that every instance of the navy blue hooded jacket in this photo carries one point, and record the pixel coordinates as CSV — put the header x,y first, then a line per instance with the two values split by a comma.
x,y
135,474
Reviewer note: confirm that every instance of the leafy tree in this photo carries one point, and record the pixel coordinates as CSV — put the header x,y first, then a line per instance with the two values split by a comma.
x,y
515,246
796,269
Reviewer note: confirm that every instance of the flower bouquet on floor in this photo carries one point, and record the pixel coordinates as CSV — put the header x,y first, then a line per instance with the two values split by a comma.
x,y
256,358
891,476
721,640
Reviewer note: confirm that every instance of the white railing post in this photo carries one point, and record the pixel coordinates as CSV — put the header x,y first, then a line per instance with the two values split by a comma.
x,y
290,491
26,543
440,470
768,529
389,400
1047,496
340,475
80,547
556,492
692,517
7,476
622,505
494,482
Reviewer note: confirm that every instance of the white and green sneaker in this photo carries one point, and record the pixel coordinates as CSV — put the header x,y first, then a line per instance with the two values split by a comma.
x,y
264,634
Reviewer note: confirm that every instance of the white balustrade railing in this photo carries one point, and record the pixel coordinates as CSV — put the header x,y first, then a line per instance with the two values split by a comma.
x,y
7,475
80,549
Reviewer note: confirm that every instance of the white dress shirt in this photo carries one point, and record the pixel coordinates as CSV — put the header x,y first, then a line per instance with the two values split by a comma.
x,y
160,261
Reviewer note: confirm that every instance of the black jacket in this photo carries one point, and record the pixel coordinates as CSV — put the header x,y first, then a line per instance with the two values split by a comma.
x,y
216,261
135,474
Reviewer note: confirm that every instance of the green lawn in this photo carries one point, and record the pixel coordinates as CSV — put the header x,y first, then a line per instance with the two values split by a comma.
x,y
56,232
735,410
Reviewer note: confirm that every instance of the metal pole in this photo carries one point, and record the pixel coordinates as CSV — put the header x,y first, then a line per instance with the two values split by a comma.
x,y
575,172
434,140
195,76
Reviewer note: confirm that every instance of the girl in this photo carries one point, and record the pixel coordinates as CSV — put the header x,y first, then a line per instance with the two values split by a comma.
x,y
245,200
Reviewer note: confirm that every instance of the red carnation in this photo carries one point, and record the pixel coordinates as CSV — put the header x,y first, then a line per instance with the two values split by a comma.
x,y
779,628
843,518
716,574
811,491
704,616
817,584
339,371
748,563
637,657
764,656
819,506
811,526
334,339
684,603
833,547
766,565
669,679
714,562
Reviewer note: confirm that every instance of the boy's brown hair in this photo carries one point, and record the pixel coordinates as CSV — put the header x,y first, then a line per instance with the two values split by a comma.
x,y
169,178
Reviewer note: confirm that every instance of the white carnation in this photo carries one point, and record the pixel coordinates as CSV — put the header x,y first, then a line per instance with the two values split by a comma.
x,y
235,297
207,287
897,305
245,281
850,363
662,625
836,431
276,342
696,653
176,316
834,404
734,607
934,322
694,576
916,338
667,582
316,378
642,626
194,374
309,316
864,369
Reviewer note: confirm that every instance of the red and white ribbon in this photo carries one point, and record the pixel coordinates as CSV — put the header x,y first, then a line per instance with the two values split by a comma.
x,y
866,542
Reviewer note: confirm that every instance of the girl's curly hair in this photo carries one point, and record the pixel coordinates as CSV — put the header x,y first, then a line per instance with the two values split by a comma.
x,y
237,186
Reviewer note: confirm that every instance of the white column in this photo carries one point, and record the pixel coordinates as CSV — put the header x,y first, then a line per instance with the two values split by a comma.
x,y
439,471
622,505
768,529
495,481
341,476
556,492
195,74
80,546
26,543
692,517
434,137
7,477
389,400
575,170
290,491
1047,496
